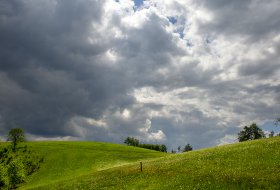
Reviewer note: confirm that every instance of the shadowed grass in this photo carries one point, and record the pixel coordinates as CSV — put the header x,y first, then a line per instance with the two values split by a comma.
x,y
248,165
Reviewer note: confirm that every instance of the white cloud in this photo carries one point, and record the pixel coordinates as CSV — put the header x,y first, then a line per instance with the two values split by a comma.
x,y
31,137
227,139
98,123
126,113
152,136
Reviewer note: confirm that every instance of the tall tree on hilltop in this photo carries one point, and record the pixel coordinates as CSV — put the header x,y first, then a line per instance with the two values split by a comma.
x,y
16,135
250,133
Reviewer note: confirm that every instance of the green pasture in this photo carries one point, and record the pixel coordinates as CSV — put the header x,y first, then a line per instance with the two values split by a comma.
x,y
83,165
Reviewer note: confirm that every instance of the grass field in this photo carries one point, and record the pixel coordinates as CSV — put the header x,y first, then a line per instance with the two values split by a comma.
x,y
69,160
248,165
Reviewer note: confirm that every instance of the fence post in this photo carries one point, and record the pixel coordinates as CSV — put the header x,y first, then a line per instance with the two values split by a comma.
x,y
141,166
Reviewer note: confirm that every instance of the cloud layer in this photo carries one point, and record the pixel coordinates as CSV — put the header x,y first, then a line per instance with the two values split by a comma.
x,y
162,71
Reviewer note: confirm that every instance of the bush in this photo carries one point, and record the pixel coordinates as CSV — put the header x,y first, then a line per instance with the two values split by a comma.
x,y
16,173
31,164
16,166
4,179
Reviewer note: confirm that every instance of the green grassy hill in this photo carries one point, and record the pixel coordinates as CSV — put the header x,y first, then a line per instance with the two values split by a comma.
x,y
248,165
70,160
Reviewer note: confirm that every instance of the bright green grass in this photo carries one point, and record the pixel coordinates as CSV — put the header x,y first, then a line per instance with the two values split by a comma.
x,y
249,165
67,160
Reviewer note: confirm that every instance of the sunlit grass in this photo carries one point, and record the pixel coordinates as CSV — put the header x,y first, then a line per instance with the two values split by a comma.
x,y
249,165
67,160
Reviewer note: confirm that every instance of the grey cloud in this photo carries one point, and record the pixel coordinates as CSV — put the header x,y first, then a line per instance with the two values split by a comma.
x,y
254,20
55,73
195,129
46,55
263,69
245,102
267,67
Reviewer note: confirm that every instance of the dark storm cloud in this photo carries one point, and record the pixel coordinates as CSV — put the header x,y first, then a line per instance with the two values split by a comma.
x,y
103,70
48,70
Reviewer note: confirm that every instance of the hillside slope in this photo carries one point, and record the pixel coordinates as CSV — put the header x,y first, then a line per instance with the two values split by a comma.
x,y
68,160
248,165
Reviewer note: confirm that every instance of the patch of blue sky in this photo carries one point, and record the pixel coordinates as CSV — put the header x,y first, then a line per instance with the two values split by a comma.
x,y
172,19
138,3
180,31
270,126
182,35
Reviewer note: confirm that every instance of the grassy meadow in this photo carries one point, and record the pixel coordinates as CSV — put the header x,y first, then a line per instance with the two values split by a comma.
x,y
69,160
85,165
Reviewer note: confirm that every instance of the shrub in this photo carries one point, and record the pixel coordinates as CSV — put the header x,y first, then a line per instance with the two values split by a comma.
x,y
16,173
4,179
16,166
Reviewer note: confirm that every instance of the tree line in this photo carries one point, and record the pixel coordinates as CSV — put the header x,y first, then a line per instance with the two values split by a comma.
x,y
131,141
187,148
253,132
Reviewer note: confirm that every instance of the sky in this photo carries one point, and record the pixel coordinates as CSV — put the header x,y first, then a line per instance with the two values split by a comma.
x,y
164,71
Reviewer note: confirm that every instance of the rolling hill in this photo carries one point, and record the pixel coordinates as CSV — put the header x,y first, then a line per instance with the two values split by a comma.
x,y
69,160
82,165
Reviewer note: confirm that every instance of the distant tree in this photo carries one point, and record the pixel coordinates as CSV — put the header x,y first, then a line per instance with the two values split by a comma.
x,y
131,141
250,133
156,147
187,148
163,148
16,135
277,121
173,151
271,134
179,148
